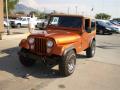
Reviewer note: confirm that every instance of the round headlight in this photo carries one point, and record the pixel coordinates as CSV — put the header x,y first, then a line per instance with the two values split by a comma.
x,y
108,28
31,40
49,43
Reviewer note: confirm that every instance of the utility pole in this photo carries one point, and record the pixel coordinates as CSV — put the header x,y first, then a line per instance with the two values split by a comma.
x,y
83,13
101,16
1,19
68,11
8,30
92,9
76,9
44,10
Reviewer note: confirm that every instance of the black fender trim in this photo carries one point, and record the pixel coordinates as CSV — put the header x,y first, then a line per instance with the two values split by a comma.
x,y
93,39
68,49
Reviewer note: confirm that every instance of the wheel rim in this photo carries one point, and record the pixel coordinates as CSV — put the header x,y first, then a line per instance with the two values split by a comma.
x,y
71,65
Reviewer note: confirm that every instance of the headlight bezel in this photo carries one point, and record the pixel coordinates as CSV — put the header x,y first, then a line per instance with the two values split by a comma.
x,y
50,43
31,40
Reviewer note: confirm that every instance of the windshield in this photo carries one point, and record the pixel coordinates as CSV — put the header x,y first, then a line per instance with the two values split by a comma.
x,y
114,22
103,23
65,21
109,23
19,18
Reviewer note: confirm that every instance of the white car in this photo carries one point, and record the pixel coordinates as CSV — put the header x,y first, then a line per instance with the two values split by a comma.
x,y
20,22
6,24
42,23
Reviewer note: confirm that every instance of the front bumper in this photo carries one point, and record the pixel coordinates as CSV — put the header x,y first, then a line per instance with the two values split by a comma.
x,y
53,59
30,55
109,31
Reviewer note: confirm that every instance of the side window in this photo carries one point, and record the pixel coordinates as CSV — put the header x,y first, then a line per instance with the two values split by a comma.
x,y
87,24
93,25
24,19
54,20
28,19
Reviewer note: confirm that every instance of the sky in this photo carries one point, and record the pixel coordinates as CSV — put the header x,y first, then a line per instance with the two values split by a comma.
x,y
84,7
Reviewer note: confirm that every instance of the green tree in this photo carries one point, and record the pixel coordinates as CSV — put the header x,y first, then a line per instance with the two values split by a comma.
x,y
117,19
102,16
20,12
11,5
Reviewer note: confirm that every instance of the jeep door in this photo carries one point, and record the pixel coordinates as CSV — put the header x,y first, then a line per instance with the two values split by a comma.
x,y
86,34
89,32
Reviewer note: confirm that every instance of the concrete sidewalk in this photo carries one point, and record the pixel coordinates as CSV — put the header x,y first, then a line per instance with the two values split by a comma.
x,y
15,33
14,36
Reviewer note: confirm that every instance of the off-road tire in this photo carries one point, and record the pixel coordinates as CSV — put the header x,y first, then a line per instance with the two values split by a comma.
x,y
26,61
90,52
67,63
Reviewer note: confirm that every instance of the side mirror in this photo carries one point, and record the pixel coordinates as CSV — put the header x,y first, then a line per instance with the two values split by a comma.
x,y
89,30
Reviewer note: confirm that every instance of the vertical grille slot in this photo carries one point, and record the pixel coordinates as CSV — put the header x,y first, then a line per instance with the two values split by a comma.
x,y
40,46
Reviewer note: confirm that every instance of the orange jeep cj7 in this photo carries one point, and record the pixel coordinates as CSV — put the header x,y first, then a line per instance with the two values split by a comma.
x,y
64,37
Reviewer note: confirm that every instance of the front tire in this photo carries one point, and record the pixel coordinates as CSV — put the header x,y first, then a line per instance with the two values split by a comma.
x,y
90,52
26,61
67,63
18,25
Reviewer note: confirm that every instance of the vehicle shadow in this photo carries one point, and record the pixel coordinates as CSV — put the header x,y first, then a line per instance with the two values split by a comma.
x,y
80,56
9,62
107,46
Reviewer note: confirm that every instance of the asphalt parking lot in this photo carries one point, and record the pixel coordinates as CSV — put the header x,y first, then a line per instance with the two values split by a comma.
x,y
101,72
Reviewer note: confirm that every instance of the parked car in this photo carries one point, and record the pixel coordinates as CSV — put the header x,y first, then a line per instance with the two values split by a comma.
x,y
103,28
42,23
6,24
62,40
115,22
115,26
21,22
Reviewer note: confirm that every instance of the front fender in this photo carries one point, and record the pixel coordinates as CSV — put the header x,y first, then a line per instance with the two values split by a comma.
x,y
68,49
24,44
63,49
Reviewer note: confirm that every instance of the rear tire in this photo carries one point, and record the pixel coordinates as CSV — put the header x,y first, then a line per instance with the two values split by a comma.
x,y
67,63
90,52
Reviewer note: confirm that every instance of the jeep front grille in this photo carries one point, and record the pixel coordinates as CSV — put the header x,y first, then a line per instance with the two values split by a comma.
x,y
40,46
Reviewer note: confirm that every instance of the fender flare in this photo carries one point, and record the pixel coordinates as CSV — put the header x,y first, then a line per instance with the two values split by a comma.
x,y
93,39
68,49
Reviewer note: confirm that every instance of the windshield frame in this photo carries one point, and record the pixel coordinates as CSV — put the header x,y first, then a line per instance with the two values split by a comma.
x,y
62,27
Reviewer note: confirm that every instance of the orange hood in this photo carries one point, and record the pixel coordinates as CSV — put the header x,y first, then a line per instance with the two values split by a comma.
x,y
60,36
